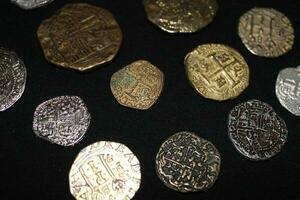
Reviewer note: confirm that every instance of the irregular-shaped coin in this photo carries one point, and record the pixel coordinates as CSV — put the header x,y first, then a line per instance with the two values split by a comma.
x,y
256,131
137,85
181,16
188,163
62,120
105,170
80,36
31,4
217,71
266,32
12,78
288,89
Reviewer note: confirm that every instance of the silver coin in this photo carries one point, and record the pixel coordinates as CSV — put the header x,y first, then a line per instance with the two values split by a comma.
x,y
256,131
62,120
288,89
31,4
12,78
188,163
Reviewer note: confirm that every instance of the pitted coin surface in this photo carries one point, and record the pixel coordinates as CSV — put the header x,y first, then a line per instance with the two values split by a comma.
x,y
62,120
266,32
105,170
80,36
217,71
137,85
12,78
181,16
31,4
256,131
188,163
288,89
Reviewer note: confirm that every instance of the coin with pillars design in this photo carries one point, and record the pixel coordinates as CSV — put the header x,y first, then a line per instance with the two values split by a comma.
x,y
31,4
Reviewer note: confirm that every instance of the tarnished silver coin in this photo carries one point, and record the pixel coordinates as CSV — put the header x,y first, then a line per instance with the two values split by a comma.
x,y
188,163
288,89
256,131
12,78
31,4
62,120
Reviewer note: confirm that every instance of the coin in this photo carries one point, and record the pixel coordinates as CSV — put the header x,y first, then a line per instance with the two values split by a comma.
x,y
181,16
266,32
288,89
217,71
80,36
188,163
137,85
105,170
12,78
256,131
62,120
30,4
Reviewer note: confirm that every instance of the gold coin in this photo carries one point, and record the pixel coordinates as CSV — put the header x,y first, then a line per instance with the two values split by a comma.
x,y
105,170
80,36
181,16
137,85
266,32
217,71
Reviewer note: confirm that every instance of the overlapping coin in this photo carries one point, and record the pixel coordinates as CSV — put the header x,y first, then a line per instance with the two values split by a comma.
x,y
188,163
288,89
181,16
62,120
80,36
105,170
217,71
137,85
31,4
266,32
256,131
12,78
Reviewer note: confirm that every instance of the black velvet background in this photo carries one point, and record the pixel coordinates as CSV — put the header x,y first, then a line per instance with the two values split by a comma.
x,y
31,168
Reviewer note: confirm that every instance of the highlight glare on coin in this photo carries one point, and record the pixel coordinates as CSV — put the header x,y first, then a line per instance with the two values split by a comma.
x,y
62,120
266,32
105,170
137,85
188,163
31,4
217,71
12,78
181,16
256,131
80,37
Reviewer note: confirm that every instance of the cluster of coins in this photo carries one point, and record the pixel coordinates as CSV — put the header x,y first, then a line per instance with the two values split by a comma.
x,y
185,162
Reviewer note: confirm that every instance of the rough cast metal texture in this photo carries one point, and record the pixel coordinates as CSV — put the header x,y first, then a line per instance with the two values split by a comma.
x,y
217,71
256,131
80,37
105,170
137,85
266,32
31,4
62,120
181,16
288,89
188,163
12,78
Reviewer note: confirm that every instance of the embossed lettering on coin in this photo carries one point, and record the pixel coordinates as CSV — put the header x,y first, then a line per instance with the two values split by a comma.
x,y
137,85
266,32
12,78
217,72
181,16
288,89
62,120
80,36
188,163
105,170
256,131
30,4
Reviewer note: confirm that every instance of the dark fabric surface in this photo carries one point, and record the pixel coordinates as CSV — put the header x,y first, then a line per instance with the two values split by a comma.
x,y
31,168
